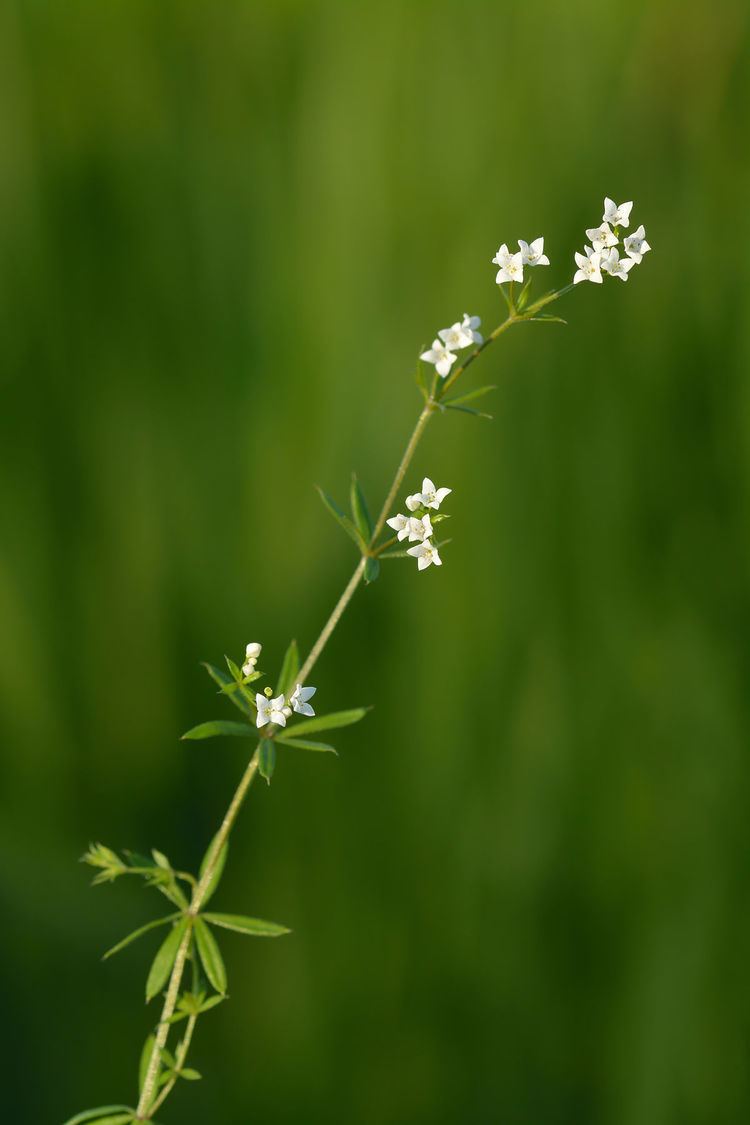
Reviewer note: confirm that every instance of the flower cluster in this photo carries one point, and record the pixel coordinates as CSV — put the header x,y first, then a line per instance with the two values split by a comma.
x,y
417,527
602,253
460,335
275,709
511,265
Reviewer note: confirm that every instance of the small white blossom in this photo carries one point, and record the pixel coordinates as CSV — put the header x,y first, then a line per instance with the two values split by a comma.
x,y
616,266
252,652
400,525
426,555
456,337
471,325
635,244
602,237
617,216
430,496
299,699
440,356
270,710
532,253
511,265
589,266
420,529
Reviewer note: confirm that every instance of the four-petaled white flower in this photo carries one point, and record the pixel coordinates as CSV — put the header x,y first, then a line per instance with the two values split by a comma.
x,y
425,554
456,337
601,238
400,525
616,266
420,529
429,497
511,265
299,698
252,652
635,244
441,356
471,324
270,710
617,216
589,267
532,253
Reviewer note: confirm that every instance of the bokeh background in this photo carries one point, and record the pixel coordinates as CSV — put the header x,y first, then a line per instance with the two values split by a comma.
x,y
520,895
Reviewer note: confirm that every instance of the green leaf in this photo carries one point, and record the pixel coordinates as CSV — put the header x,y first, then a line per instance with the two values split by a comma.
x,y
148,1047
466,410
243,925
137,933
190,1073
546,319
212,1001
478,392
210,956
305,744
218,870
267,759
164,960
328,722
228,687
289,670
339,516
360,511
117,1119
372,570
398,554
234,670
419,375
219,728
96,1114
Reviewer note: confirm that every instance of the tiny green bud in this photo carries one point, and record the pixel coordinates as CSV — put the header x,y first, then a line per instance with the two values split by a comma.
x,y
268,692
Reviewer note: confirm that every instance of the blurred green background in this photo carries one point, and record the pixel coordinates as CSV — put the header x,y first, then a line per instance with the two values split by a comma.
x,y
521,893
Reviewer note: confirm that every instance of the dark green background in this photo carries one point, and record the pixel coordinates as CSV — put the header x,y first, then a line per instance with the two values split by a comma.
x,y
521,893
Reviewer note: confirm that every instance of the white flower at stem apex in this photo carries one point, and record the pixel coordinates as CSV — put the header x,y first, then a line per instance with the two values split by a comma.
x,y
429,497
532,253
635,244
441,356
270,710
420,529
456,337
471,324
252,652
617,215
616,266
299,698
511,265
425,554
589,267
400,525
602,237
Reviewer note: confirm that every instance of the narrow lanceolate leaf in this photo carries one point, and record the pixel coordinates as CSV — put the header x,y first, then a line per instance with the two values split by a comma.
x,y
328,722
228,687
234,670
478,392
397,554
218,869
145,1060
466,410
360,511
190,1073
212,1001
96,1114
116,1119
267,759
164,960
243,925
138,933
305,744
220,728
546,319
341,518
372,570
210,955
289,670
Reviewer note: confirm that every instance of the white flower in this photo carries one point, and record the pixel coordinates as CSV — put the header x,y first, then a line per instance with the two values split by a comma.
x,y
532,254
617,216
430,496
456,337
588,266
252,652
400,525
615,266
635,244
425,554
511,265
470,324
420,529
270,710
299,699
440,356
602,237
